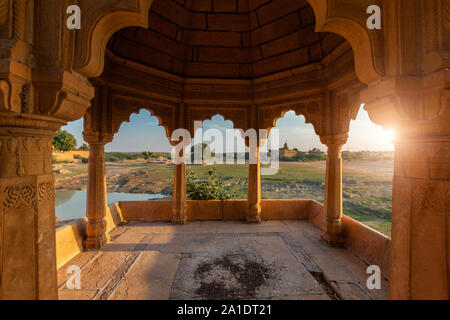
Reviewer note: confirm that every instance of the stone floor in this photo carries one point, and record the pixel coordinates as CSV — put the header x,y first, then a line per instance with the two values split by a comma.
x,y
219,260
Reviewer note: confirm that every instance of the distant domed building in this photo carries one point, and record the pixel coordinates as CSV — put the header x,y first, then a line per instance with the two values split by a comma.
x,y
286,152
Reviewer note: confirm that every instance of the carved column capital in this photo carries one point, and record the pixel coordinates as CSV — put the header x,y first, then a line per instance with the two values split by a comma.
x,y
95,137
335,140
414,106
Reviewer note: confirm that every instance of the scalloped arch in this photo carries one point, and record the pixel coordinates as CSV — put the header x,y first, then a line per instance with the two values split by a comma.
x,y
368,66
137,111
238,116
210,118
305,115
100,26
225,118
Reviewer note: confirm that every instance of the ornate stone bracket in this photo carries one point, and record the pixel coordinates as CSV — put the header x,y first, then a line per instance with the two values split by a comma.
x,y
348,19
414,106
100,21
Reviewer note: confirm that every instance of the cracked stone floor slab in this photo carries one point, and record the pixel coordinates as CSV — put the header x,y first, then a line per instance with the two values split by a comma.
x,y
218,260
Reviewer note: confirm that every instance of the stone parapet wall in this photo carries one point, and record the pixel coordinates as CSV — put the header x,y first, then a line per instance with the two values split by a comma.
x,y
215,210
69,241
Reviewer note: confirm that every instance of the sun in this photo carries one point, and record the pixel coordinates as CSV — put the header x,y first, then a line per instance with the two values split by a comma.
x,y
388,136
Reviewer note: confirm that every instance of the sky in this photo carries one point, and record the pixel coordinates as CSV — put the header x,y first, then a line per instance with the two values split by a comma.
x,y
143,133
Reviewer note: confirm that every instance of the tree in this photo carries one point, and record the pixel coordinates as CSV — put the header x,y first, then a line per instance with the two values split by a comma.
x,y
84,147
64,141
206,153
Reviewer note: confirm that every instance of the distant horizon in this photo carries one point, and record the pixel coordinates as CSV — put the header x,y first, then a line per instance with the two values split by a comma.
x,y
364,135
353,151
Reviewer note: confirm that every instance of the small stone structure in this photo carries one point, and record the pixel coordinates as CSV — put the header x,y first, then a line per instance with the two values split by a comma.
x,y
285,152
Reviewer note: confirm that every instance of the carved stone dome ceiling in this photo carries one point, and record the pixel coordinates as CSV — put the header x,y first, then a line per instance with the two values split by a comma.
x,y
236,39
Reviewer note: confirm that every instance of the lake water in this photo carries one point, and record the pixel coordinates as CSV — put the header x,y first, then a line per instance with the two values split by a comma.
x,y
72,204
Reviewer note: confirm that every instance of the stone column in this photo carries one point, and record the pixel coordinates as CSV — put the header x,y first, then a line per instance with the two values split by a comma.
x,y
27,210
96,192
179,184
333,189
179,194
419,111
420,246
254,187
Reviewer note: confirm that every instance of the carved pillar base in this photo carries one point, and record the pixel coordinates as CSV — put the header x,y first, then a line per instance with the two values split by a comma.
x,y
254,189
97,237
254,213
96,193
333,235
179,195
179,214
27,215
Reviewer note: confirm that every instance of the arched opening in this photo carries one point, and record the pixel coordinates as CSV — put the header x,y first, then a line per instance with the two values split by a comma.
x,y
301,173
138,161
368,173
136,169
225,156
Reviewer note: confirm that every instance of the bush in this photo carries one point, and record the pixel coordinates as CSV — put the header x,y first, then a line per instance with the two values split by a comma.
x,y
64,141
313,155
287,159
211,189
114,156
119,156
84,147
83,159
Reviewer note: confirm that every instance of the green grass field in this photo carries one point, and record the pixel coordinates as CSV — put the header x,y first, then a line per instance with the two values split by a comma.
x,y
367,185
367,196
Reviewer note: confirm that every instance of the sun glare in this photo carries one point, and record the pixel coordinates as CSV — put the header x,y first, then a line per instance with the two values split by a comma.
x,y
388,136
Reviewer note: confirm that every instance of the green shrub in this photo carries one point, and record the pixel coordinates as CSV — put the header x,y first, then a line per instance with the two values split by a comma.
x,y
288,159
211,189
